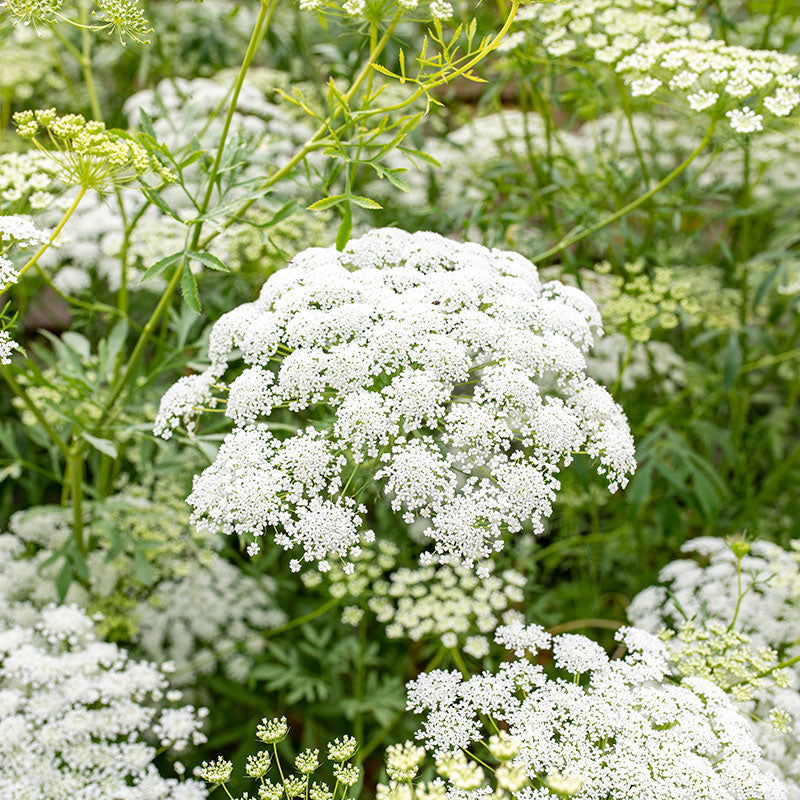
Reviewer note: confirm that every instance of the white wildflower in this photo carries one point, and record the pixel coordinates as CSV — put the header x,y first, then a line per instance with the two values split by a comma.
x,y
438,359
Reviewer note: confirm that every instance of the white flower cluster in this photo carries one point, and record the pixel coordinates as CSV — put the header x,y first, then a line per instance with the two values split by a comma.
x,y
76,716
26,178
439,9
767,622
7,347
448,602
623,729
713,75
20,230
225,636
610,28
165,624
655,45
457,380
706,588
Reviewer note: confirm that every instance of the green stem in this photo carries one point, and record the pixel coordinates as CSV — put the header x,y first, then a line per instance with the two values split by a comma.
x,y
782,665
67,214
294,623
577,237
770,361
312,142
20,392
579,624
459,661
75,468
86,62
166,298
255,39
138,349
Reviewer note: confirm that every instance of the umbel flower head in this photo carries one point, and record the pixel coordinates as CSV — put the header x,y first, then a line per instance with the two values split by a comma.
x,y
605,729
125,18
78,718
445,373
376,9
662,46
86,153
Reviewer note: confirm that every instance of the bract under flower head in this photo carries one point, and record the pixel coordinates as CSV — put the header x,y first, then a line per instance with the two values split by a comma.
x,y
447,372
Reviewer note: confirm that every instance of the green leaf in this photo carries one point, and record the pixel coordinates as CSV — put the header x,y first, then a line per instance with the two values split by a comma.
x,y
641,486
345,229
327,202
365,202
157,200
160,266
189,289
208,260
190,159
142,567
103,445
704,491
732,360
64,580
147,123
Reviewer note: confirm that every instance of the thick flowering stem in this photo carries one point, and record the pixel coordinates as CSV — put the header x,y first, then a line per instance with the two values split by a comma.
x,y
634,204
67,214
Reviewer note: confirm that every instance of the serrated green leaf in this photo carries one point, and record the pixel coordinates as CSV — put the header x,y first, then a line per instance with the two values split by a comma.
x,y
732,360
142,567
146,123
157,200
160,266
208,260
64,580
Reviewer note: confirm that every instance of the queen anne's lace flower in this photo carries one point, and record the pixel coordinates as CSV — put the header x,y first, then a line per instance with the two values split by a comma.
x,y
770,608
448,602
662,46
456,378
20,230
438,9
625,725
7,347
77,713
766,630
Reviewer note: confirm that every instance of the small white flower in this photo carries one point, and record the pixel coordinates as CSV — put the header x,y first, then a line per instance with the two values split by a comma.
x,y
745,120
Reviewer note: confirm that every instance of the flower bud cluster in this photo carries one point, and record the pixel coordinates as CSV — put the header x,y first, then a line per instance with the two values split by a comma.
x,y
437,9
86,153
257,766
447,602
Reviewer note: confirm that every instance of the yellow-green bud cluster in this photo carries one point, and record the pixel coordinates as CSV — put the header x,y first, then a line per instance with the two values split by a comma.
x,y
87,153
